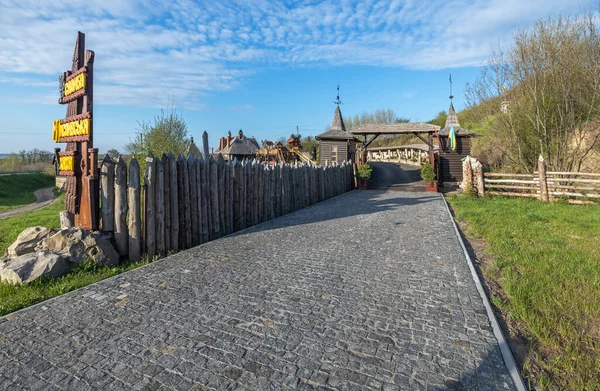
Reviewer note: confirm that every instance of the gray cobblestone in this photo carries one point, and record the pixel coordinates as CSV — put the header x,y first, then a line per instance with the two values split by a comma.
x,y
366,291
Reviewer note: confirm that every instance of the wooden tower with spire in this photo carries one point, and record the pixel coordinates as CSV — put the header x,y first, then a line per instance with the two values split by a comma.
x,y
336,145
450,156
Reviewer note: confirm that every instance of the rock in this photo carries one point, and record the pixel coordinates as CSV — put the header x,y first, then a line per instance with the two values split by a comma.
x,y
78,246
28,267
28,240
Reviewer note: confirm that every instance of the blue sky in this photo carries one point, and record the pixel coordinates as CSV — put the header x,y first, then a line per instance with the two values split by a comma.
x,y
265,67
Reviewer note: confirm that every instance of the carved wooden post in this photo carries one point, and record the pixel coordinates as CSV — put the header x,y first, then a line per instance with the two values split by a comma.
x,y
159,194
544,195
467,182
479,182
107,174
121,234
150,207
133,200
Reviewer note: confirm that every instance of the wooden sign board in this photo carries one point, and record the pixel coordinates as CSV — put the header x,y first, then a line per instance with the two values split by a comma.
x,y
79,163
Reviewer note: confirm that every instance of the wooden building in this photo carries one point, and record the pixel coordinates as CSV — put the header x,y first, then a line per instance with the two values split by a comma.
x,y
336,145
240,147
450,161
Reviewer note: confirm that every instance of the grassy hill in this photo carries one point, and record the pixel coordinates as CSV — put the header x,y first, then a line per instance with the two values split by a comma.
x,y
17,190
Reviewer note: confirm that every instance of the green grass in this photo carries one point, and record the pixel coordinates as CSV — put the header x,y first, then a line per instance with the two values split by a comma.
x,y
546,260
13,298
11,228
17,190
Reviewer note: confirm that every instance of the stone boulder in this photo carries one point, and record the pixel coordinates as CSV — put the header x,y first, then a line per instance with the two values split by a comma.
x,y
28,267
78,246
28,240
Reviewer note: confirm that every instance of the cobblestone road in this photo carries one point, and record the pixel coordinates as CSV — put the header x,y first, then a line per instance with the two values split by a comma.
x,y
367,291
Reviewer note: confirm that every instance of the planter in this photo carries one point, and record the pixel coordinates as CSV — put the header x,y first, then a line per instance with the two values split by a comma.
x,y
363,183
431,186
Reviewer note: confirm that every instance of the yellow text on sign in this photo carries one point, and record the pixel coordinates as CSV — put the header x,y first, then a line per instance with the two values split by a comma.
x,y
75,84
66,163
73,128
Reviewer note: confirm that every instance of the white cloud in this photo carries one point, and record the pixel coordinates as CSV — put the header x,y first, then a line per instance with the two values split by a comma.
x,y
147,50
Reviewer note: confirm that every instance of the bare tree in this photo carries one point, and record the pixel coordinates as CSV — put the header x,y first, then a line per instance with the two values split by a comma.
x,y
548,85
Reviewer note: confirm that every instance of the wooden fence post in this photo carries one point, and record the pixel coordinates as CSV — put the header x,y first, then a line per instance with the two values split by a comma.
x,y
480,184
544,196
187,211
199,198
467,182
193,194
220,185
121,234
243,194
167,201
181,202
174,201
160,207
107,195
150,207
133,200
214,198
206,216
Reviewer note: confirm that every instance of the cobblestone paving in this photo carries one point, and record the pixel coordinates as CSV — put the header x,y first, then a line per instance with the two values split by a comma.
x,y
367,291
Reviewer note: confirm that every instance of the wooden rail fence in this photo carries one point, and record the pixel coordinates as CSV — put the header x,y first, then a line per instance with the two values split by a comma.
x,y
542,184
185,202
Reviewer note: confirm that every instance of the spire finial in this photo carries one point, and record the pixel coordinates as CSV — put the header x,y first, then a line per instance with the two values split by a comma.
x,y
337,101
451,96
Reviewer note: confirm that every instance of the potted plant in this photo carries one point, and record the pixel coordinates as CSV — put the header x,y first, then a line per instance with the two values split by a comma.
x,y
363,173
428,176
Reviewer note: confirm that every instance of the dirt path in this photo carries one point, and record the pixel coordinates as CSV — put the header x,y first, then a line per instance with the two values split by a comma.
x,y
43,197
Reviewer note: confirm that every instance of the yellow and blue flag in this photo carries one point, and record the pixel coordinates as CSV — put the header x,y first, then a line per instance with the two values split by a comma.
x,y
452,138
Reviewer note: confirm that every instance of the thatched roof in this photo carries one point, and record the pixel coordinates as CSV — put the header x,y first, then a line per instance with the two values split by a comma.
x,y
243,146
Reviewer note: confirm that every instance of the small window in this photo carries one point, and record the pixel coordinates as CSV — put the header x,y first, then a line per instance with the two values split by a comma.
x,y
334,154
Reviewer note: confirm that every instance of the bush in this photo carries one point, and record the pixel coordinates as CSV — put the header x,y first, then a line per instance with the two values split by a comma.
x,y
427,173
364,171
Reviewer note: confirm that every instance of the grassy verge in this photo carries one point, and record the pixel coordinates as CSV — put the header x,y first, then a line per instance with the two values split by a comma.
x,y
17,190
543,262
11,228
13,298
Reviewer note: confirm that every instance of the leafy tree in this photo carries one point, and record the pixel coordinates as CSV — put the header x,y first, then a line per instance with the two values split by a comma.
x,y
547,92
167,133
439,120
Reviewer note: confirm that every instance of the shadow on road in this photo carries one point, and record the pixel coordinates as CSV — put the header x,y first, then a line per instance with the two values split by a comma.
x,y
396,176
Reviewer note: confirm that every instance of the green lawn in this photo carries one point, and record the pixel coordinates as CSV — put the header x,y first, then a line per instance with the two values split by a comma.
x,y
17,190
13,298
546,260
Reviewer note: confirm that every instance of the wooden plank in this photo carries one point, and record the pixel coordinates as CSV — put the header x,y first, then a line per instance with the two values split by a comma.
x,y
509,194
590,174
572,194
167,201
160,207
502,174
551,185
133,200
174,202
120,217
107,194
193,194
535,188
150,207
533,182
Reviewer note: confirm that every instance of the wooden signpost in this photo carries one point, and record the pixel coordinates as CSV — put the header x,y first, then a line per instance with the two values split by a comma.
x,y
79,162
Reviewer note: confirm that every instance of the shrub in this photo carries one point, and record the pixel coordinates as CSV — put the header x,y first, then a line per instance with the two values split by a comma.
x,y
364,171
427,173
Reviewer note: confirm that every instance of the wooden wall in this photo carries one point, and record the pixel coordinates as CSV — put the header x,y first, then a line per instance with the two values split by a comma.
x,y
346,151
451,161
186,202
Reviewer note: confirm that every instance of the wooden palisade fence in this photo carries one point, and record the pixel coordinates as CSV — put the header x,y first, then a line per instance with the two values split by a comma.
x,y
542,184
185,202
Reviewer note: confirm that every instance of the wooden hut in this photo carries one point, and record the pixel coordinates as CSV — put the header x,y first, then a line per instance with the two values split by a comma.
x,y
239,148
450,161
336,145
